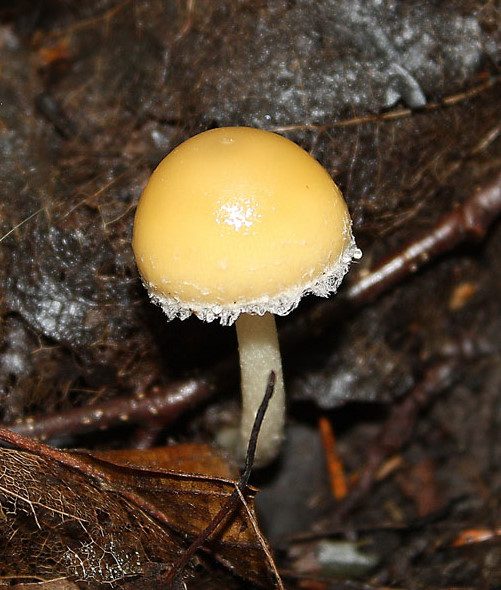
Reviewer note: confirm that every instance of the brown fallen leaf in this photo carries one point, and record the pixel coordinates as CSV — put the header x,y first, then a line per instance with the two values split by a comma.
x,y
123,518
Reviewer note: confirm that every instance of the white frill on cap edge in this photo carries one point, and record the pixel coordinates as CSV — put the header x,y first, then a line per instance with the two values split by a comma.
x,y
281,304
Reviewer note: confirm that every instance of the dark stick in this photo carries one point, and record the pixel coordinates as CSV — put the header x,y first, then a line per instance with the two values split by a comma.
x,y
161,406
468,222
399,426
227,510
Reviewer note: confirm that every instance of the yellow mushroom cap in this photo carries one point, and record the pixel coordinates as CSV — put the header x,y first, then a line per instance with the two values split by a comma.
x,y
240,220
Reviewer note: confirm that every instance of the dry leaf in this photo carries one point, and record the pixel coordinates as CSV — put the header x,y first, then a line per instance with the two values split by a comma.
x,y
113,518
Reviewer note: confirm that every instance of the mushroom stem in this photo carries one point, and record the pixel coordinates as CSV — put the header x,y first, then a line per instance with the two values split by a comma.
x,y
259,355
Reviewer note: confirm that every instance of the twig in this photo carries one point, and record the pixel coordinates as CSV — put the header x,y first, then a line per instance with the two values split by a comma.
x,y
399,426
227,509
337,477
468,222
160,406
399,113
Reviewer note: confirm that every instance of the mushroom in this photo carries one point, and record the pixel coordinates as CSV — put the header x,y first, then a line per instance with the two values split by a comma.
x,y
237,224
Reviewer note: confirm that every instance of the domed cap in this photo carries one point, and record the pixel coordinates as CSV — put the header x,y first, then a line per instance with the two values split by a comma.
x,y
239,220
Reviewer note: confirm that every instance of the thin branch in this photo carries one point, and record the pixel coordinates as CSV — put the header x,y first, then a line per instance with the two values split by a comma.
x,y
230,505
162,405
468,222
399,426
399,113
